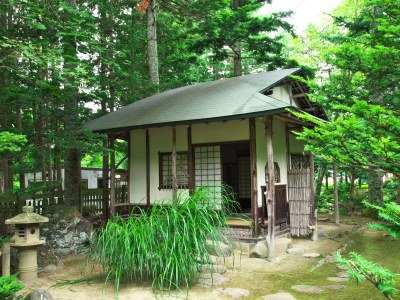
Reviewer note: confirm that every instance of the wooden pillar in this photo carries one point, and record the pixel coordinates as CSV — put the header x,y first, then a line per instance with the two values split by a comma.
x,y
147,168
174,179
105,181
312,200
5,259
335,194
270,192
128,134
112,176
190,161
253,174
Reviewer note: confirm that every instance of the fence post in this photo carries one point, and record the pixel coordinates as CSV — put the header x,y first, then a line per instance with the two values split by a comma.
x,y
5,260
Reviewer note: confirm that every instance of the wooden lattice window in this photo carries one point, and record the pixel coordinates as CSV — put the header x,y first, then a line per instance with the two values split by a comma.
x,y
207,168
165,170
299,161
244,177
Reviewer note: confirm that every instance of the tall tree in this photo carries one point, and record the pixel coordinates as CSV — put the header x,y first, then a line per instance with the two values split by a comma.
x,y
362,90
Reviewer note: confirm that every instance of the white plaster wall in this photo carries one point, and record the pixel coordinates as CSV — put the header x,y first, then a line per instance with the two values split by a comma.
x,y
237,130
137,176
295,145
279,147
282,93
161,141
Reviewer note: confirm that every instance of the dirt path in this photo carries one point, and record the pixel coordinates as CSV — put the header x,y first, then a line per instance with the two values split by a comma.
x,y
251,274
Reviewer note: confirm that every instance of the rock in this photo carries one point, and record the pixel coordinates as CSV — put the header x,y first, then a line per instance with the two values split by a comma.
x,y
279,296
309,289
67,231
335,287
218,248
322,234
282,244
294,251
213,269
215,279
343,275
39,294
338,279
236,292
311,255
260,250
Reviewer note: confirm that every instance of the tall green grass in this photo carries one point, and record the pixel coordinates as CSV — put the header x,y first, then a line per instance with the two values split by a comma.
x,y
165,246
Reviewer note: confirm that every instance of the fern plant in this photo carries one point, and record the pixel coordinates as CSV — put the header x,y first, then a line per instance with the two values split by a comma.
x,y
390,213
9,286
361,269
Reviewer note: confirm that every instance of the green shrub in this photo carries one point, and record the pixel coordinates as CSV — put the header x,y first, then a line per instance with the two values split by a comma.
x,y
9,286
390,190
390,213
166,246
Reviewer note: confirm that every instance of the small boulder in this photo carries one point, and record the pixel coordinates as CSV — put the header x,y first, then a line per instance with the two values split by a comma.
x,y
260,250
279,296
218,248
236,292
311,255
308,289
39,294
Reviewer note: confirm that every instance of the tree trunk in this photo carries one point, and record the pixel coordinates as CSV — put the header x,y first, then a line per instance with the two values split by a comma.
x,y
237,49
152,44
320,177
335,195
375,186
21,156
72,158
350,208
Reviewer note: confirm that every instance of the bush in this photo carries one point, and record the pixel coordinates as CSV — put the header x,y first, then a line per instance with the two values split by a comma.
x,y
390,190
166,246
9,286
390,213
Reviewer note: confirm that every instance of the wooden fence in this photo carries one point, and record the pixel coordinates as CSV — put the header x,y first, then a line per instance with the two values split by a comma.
x,y
92,203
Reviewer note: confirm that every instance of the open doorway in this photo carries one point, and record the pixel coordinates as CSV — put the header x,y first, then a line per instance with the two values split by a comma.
x,y
235,160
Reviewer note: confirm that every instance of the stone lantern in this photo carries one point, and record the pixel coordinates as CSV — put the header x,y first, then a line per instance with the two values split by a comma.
x,y
26,239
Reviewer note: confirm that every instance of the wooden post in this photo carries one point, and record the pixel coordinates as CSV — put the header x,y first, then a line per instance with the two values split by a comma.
x,y
105,181
128,134
335,195
253,174
147,168
174,179
112,176
5,260
270,192
190,161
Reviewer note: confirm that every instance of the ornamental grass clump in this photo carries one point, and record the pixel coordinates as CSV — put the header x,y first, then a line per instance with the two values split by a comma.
x,y
166,246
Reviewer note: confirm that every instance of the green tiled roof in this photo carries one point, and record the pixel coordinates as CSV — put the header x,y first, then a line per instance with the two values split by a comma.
x,y
226,99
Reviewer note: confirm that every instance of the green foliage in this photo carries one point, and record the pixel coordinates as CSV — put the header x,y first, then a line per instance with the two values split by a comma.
x,y
361,269
10,142
9,286
167,245
390,190
360,90
390,213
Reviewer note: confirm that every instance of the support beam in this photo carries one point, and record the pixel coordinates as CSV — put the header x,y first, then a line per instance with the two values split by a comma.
x,y
270,192
190,161
112,176
105,170
253,174
128,134
147,168
174,179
